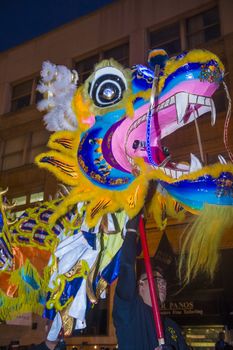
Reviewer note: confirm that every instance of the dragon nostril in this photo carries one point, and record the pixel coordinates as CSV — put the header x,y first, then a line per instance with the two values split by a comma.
x,y
166,151
136,144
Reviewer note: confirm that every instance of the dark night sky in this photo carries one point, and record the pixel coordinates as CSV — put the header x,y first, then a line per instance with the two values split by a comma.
x,y
22,20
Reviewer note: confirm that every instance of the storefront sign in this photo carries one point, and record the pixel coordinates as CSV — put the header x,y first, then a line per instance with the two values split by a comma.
x,y
181,308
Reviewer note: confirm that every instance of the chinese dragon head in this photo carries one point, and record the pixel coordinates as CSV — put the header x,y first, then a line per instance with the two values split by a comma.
x,y
108,140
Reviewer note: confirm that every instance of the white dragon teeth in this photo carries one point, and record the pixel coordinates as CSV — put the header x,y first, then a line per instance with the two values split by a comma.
x,y
175,174
179,173
182,101
221,159
195,163
193,98
213,113
201,100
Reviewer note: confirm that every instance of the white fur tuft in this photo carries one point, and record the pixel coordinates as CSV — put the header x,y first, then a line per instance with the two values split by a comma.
x,y
58,85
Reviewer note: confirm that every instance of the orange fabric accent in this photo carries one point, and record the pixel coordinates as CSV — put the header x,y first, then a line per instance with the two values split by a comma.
x,y
9,289
38,258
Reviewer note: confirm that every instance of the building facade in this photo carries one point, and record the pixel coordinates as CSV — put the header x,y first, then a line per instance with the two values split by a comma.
x,y
125,30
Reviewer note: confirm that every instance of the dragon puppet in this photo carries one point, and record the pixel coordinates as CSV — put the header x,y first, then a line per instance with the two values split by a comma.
x,y
107,145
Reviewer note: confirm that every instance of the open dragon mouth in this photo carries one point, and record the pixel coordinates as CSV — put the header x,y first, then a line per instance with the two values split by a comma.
x,y
169,115
185,87
188,107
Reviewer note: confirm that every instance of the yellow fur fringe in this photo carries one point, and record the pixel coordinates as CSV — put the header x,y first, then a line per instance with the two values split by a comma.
x,y
27,299
200,248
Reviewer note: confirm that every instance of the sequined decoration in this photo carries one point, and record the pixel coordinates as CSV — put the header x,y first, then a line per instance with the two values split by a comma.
x,y
75,270
67,322
210,73
173,333
102,285
225,185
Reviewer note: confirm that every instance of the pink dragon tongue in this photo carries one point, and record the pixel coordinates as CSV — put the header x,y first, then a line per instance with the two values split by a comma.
x,y
130,133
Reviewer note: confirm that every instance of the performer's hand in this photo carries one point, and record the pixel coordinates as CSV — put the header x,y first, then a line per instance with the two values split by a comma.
x,y
51,344
133,224
166,347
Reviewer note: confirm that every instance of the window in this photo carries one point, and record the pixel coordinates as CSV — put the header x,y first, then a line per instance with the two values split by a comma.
x,y
167,38
119,53
21,95
26,200
13,153
18,213
203,28
20,200
85,67
24,94
188,33
22,150
38,143
36,197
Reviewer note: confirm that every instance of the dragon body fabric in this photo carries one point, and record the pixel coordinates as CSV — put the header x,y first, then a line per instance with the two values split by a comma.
x,y
107,146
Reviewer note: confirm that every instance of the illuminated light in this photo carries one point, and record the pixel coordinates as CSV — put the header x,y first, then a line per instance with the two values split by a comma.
x,y
196,336
95,347
202,344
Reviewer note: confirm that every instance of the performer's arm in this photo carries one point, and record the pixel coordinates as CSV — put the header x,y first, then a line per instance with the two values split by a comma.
x,y
126,285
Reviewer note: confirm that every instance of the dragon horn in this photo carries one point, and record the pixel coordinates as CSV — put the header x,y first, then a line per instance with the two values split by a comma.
x,y
9,206
11,222
3,192
64,188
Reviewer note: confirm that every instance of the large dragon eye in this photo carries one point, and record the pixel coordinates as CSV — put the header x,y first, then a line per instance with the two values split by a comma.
x,y
107,87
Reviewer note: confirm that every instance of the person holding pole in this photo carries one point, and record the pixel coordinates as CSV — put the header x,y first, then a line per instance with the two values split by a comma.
x,y
133,316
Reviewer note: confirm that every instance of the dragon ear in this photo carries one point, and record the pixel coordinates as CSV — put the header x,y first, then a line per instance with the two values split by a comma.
x,y
58,85
157,57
